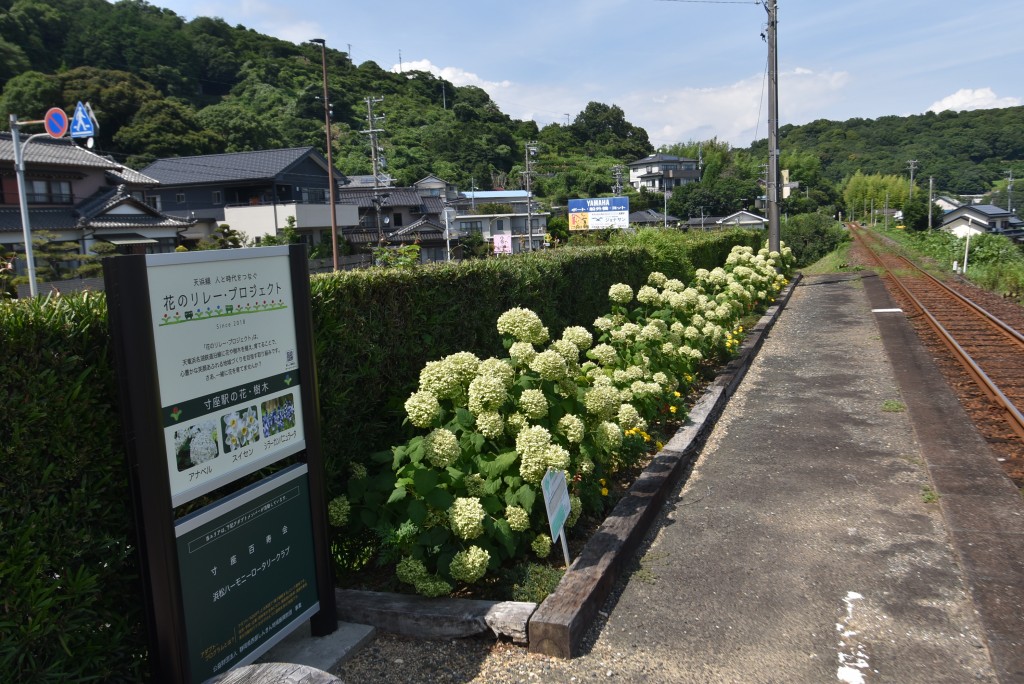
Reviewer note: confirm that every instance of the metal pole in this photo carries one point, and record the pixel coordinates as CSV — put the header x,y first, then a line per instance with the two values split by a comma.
x,y
665,215
19,167
774,233
931,190
330,155
447,237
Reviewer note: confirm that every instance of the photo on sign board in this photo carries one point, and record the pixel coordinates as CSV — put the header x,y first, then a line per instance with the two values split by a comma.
x,y
278,415
240,428
195,444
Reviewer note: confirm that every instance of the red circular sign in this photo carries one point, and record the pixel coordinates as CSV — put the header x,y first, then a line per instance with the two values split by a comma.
x,y
56,122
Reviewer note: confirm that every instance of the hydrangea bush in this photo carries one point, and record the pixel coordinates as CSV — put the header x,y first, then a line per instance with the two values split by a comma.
x,y
463,496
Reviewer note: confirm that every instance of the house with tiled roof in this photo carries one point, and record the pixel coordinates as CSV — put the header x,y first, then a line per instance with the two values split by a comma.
x,y
396,216
983,218
253,192
79,196
663,172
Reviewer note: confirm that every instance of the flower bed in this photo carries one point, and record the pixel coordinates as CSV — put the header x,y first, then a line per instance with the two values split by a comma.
x,y
461,500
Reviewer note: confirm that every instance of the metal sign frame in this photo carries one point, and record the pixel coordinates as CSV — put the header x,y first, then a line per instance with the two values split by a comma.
x,y
135,350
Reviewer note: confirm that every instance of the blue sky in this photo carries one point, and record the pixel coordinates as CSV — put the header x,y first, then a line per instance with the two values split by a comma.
x,y
681,70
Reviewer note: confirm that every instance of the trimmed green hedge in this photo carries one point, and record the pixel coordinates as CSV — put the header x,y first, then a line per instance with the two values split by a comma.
x,y
71,607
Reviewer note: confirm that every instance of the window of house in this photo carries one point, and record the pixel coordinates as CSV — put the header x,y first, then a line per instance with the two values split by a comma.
x,y
317,195
501,224
216,198
48,192
153,201
471,226
180,198
397,218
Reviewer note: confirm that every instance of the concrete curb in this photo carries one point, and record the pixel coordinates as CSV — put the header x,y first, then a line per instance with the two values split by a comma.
x,y
559,624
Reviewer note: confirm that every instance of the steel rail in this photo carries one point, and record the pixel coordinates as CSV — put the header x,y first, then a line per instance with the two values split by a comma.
x,y
1013,415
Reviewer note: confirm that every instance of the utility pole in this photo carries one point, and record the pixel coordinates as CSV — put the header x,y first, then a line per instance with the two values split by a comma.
x,y
1009,192
617,175
913,167
330,158
531,150
774,236
372,131
885,215
931,193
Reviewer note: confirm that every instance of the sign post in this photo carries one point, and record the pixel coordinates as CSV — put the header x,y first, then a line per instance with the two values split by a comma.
x,y
598,213
556,502
217,379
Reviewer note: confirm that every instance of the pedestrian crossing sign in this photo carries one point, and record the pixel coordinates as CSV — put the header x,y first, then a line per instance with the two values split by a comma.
x,y
82,124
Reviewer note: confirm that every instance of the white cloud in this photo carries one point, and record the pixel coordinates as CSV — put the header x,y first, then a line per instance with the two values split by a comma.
x,y
455,75
974,98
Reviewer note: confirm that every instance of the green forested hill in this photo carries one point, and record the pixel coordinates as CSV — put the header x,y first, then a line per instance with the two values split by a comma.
x,y
965,152
162,86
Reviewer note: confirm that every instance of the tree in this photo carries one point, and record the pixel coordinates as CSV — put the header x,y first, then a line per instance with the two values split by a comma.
x,y
225,237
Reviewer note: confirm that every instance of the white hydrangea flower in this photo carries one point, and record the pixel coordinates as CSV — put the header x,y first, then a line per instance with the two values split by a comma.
x,y
604,354
629,418
474,484
422,408
466,517
549,365
620,293
490,424
601,401
533,404
470,565
648,295
604,324
579,336
521,353
518,519
524,325
442,448
656,278
572,428
516,423
568,351
609,436
498,368
531,446
541,545
486,393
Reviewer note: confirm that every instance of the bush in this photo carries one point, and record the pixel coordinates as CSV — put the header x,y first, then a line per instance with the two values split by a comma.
x,y
812,236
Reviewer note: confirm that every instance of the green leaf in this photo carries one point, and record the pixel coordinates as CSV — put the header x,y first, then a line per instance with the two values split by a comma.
x,y
425,480
499,465
464,418
435,536
417,511
416,453
526,496
492,504
439,499
397,495
505,536
493,486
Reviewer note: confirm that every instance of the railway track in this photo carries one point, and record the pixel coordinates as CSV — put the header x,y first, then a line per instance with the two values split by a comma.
x,y
990,350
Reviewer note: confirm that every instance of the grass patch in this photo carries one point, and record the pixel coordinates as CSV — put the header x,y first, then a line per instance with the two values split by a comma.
x,y
835,261
893,406
929,495
531,581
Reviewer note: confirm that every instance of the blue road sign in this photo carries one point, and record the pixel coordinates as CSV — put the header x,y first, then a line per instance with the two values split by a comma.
x,y
56,122
82,124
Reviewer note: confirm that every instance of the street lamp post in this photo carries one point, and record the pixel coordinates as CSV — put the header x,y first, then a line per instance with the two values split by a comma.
x,y
330,156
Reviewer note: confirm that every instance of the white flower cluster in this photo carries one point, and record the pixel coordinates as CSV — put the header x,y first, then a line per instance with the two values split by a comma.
x,y
423,408
486,393
620,293
518,519
533,404
442,448
549,365
449,377
572,428
466,517
470,565
523,325
537,453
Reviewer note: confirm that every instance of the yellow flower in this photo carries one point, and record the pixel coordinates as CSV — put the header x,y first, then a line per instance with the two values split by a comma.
x,y
677,394
672,409
604,491
647,437
660,445
601,481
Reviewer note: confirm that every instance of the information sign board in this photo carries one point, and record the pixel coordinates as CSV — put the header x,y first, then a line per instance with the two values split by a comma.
x,y
226,360
598,213
502,243
556,500
247,572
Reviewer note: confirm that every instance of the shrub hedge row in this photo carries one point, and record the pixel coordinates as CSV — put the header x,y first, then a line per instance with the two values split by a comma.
x,y
71,608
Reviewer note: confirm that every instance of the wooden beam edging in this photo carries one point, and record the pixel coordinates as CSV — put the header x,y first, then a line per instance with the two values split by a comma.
x,y
559,624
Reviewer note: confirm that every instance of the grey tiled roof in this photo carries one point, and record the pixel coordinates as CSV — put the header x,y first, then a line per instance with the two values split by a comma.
x,y
657,158
54,152
396,197
39,219
224,168
127,176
